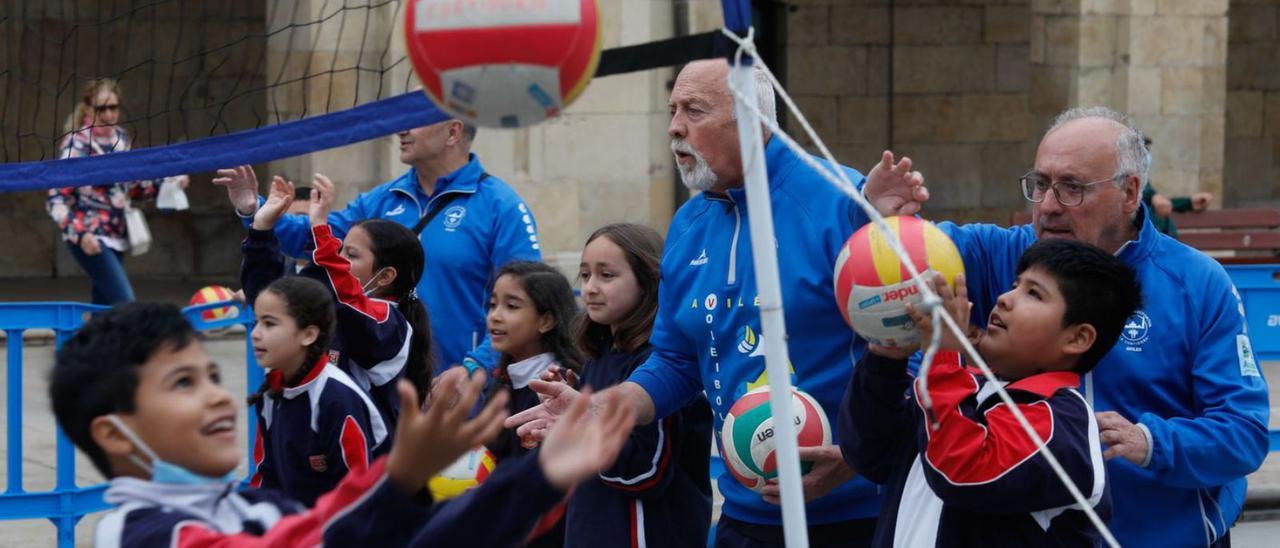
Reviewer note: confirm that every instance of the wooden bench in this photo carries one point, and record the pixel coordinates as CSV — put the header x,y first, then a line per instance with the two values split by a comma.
x,y
1233,236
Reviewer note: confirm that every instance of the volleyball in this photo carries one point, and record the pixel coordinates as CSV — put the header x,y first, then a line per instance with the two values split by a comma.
x,y
873,286
747,441
468,471
503,64
215,294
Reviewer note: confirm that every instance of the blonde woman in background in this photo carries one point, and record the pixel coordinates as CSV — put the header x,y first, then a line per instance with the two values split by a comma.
x,y
92,217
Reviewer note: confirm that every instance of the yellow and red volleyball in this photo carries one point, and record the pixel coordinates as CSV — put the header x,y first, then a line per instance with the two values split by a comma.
x,y
470,470
215,294
873,286
503,63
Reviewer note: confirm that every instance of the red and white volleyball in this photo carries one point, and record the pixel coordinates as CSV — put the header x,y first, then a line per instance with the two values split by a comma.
x,y
215,294
747,439
503,63
873,286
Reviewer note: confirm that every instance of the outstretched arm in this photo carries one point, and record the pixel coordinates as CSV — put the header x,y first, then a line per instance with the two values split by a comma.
x,y
893,188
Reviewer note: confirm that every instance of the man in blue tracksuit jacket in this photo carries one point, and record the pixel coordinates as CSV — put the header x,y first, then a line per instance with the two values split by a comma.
x,y
1181,399
477,224
707,333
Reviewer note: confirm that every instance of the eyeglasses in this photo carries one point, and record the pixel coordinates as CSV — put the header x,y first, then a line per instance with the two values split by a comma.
x,y
103,108
1069,193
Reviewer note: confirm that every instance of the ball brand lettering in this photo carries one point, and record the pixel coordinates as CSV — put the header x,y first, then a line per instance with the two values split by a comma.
x,y
901,293
768,432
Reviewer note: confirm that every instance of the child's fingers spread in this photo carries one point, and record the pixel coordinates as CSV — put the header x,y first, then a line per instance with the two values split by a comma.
x,y
408,399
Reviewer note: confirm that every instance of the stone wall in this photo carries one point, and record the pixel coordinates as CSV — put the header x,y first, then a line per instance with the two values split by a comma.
x,y
170,94
1162,61
1252,174
943,82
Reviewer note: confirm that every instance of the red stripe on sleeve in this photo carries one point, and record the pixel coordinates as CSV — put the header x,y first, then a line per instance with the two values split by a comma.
x,y
966,452
306,529
635,523
344,284
663,461
259,454
355,446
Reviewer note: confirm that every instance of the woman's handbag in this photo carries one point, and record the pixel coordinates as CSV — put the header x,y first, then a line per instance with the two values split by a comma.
x,y
136,228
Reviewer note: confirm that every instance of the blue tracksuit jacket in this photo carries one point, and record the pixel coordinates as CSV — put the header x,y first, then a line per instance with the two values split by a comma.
x,y
978,480
483,226
1183,369
707,333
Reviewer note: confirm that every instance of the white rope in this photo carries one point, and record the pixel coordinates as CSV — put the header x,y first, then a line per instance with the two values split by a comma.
x,y
931,300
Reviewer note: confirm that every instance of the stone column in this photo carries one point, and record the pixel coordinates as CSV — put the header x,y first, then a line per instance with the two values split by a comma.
x,y
1162,61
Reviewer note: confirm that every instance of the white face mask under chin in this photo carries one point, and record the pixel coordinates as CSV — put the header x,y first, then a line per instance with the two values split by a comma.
x,y
373,280
163,471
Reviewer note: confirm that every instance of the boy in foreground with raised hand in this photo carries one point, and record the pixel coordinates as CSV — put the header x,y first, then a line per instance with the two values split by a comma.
x,y
137,392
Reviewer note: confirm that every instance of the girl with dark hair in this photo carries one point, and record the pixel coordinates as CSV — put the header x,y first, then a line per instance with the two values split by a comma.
x,y
658,489
530,314
314,423
382,331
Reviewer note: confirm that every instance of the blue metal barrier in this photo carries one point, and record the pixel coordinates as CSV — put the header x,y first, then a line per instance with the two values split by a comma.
x,y
66,503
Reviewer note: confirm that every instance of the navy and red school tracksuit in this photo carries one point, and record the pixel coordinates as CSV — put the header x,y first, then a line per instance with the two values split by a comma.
x,y
364,510
978,480
371,343
515,377
311,434
658,492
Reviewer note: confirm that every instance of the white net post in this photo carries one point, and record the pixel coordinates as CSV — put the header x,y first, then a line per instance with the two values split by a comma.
x,y
772,323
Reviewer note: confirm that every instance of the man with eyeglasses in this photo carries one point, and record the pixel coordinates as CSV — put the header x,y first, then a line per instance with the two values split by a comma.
x,y
1182,404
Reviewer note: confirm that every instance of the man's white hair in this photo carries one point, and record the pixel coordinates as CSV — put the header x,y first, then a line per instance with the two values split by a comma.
x,y
765,99
1132,156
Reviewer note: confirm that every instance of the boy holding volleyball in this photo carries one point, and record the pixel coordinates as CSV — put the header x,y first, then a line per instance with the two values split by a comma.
x,y
965,471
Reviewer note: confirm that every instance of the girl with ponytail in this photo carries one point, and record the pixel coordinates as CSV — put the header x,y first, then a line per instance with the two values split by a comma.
x,y
382,331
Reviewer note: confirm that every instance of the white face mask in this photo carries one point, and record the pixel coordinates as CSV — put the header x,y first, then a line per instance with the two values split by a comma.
x,y
368,291
163,471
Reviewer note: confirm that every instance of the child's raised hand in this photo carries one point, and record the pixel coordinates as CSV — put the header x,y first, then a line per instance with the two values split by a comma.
x,y
278,202
321,200
956,303
556,373
428,441
242,187
535,422
581,443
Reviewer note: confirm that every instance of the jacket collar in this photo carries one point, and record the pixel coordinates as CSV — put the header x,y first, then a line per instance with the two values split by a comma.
x,y
276,380
464,179
1045,384
778,159
1134,251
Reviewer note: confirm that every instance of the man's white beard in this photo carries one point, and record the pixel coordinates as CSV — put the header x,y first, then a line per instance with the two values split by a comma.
x,y
699,178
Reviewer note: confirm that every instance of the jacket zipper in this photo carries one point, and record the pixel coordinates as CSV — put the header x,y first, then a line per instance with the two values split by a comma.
x,y
733,247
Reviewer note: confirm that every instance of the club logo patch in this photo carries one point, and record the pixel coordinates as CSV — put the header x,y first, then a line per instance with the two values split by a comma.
x,y
318,463
453,217
1136,330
